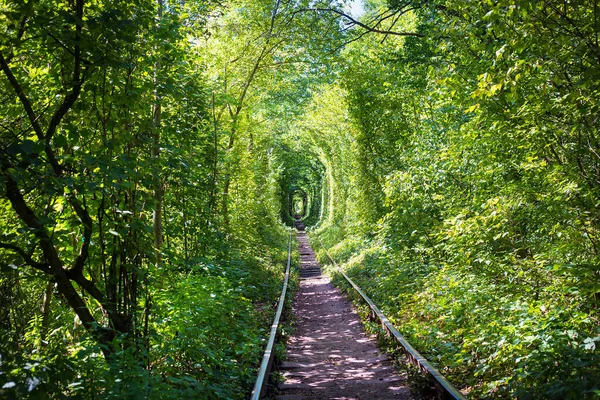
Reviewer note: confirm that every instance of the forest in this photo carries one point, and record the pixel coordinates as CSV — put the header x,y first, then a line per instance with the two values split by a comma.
x,y
153,154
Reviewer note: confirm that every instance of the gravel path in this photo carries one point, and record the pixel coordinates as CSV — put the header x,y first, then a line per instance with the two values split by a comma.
x,y
330,356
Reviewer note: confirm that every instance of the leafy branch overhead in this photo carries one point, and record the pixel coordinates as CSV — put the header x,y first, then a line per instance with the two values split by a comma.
x,y
375,25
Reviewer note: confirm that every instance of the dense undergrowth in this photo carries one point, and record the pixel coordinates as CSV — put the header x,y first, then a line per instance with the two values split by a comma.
x,y
205,339
486,338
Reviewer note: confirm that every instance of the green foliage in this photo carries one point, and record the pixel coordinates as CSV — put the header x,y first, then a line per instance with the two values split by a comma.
x,y
206,334
469,200
113,166
150,151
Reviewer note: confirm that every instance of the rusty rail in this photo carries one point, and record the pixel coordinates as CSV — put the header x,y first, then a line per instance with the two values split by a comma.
x,y
268,355
444,388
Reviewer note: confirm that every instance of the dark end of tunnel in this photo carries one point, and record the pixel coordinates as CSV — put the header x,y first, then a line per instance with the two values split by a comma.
x,y
299,224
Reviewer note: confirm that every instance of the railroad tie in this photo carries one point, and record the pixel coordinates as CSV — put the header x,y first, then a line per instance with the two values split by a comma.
x,y
309,267
330,356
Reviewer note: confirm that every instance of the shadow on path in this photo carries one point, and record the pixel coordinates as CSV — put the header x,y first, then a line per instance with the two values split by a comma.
x,y
330,356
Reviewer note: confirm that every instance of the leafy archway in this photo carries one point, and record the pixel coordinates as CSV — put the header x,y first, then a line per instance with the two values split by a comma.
x,y
301,185
298,202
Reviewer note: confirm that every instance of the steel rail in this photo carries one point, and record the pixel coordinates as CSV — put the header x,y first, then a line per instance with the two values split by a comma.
x,y
445,388
268,355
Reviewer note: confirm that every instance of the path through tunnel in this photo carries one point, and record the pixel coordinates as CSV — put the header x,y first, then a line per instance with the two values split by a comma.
x,y
303,188
298,201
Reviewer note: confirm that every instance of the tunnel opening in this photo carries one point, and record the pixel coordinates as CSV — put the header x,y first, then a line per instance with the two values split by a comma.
x,y
298,203
301,181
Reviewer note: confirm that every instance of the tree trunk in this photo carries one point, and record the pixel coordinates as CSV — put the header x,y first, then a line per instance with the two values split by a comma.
x,y
46,303
157,216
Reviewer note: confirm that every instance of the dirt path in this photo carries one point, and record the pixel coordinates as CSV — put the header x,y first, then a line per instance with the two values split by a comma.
x,y
330,356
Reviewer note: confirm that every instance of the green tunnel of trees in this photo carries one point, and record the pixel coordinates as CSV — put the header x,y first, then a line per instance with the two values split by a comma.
x,y
152,154
299,200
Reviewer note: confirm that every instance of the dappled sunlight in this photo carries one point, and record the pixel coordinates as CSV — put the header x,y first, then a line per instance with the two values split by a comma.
x,y
330,356
156,155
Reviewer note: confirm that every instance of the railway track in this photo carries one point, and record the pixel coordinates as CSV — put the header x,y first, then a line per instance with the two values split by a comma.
x,y
320,365
309,267
267,360
444,389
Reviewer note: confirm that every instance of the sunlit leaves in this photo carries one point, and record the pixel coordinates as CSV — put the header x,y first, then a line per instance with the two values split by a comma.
x,y
478,144
129,59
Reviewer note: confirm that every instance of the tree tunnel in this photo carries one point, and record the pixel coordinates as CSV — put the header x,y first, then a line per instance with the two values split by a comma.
x,y
301,187
298,202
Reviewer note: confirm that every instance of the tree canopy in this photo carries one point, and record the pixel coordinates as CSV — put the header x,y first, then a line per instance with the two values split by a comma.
x,y
152,154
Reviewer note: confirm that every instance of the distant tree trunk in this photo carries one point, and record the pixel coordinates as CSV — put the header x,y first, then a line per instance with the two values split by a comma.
x,y
46,303
235,115
234,112
157,216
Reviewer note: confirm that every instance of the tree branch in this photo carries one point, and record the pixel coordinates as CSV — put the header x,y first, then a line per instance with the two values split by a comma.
x,y
353,21
44,267
87,222
77,81
22,97
62,276
20,33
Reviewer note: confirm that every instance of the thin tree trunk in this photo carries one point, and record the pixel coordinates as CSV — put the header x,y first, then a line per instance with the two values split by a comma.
x,y
46,303
157,216
267,49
